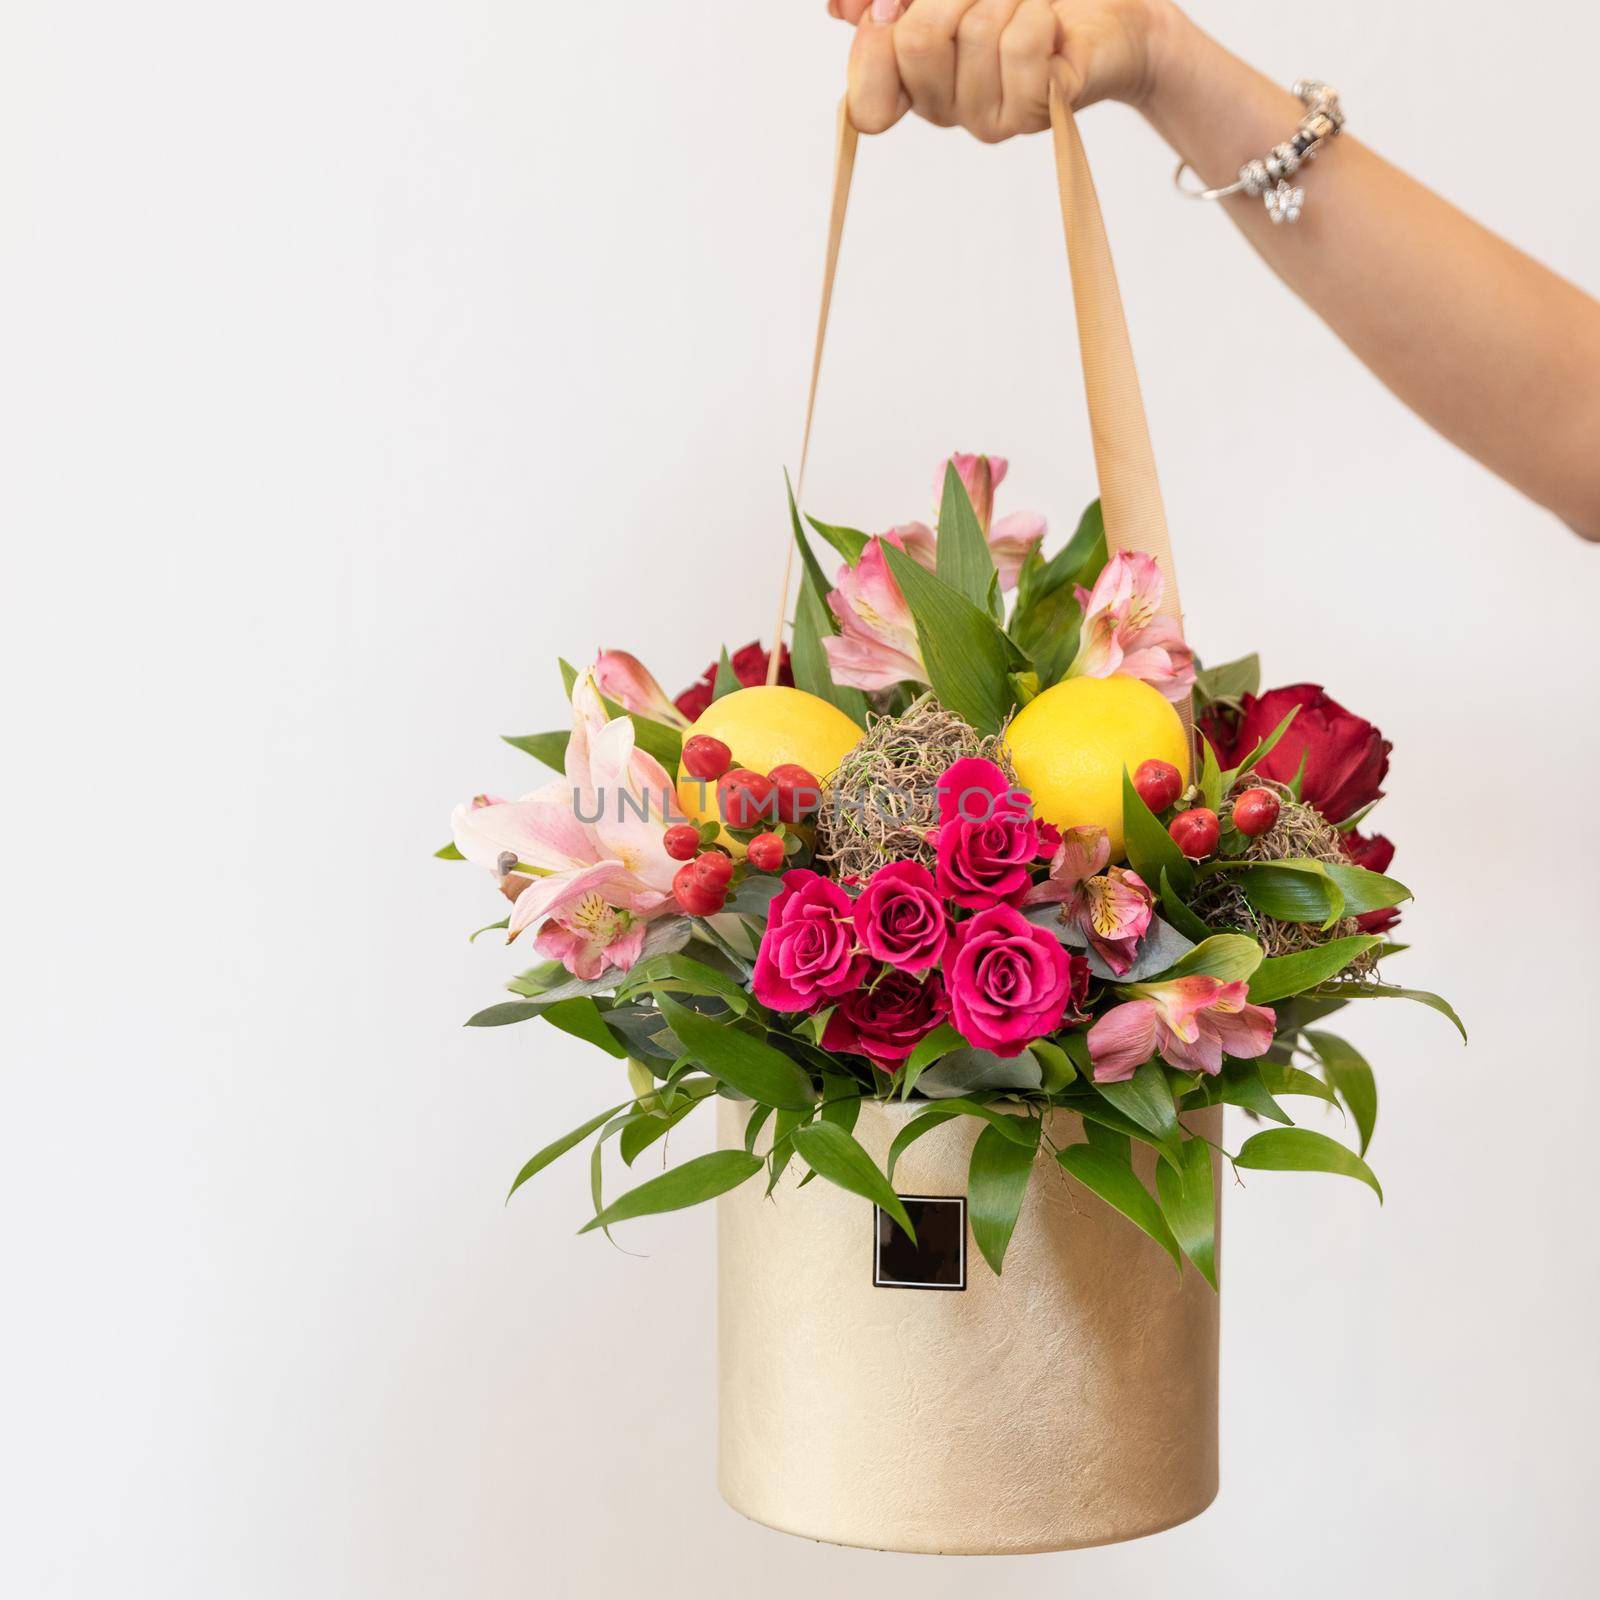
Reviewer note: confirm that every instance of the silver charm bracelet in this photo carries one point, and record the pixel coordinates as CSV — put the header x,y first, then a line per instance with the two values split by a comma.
x,y
1268,176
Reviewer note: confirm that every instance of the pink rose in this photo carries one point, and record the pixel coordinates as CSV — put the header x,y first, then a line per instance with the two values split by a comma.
x,y
887,1019
987,839
901,919
1010,982
808,953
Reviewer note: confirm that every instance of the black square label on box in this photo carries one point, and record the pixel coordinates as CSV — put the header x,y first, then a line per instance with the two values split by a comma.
x,y
938,1260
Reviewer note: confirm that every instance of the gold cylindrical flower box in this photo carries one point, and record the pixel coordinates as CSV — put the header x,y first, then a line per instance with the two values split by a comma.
x,y
1070,1402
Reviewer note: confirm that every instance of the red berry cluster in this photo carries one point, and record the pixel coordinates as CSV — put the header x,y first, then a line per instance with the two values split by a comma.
x,y
1198,830
745,800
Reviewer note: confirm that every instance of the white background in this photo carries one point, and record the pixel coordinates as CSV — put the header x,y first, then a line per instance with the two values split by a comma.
x,y
360,359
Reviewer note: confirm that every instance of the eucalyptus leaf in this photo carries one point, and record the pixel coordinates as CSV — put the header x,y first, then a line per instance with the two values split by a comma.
x,y
967,1070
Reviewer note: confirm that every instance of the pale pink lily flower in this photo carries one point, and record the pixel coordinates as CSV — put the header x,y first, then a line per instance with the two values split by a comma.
x,y
1013,538
877,646
626,679
1122,631
1192,1021
1113,908
590,844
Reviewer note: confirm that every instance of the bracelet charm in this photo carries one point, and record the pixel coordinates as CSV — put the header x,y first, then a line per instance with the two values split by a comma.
x,y
1267,177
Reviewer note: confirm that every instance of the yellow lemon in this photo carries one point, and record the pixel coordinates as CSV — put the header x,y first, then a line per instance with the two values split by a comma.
x,y
1069,747
765,727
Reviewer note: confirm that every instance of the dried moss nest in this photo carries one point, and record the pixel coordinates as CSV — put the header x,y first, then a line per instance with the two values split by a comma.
x,y
1300,831
883,799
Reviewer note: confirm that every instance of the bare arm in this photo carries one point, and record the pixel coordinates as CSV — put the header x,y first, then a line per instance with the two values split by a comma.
x,y
1491,348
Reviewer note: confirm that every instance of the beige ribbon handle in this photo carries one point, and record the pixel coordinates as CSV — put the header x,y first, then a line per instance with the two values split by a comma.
x,y
1125,463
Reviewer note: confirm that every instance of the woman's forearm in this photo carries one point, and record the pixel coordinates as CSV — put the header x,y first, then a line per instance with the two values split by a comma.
x,y
1495,351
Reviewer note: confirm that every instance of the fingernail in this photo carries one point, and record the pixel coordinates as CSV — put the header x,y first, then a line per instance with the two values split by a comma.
x,y
885,10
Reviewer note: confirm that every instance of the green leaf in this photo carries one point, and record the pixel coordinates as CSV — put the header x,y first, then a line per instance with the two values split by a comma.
x,y
941,1042
1048,620
810,661
1116,1183
658,740
962,557
489,927
508,1011
834,1154
1291,893
1188,1202
1303,1150
1231,681
448,852
1110,1140
841,1100
1260,753
559,1147
784,1123
550,748
1364,890
1179,915
967,1070
638,1136
583,1019
1055,1066
1093,1109
1146,1099
924,1122
1366,990
1018,1129
968,658
739,1060
997,1180
703,1178
680,974
1278,977
1279,1077
726,680
1210,775
1240,1084
1150,848
1351,1078
849,542
1228,956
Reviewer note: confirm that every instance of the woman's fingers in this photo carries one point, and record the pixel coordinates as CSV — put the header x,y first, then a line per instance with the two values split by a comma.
x,y
876,99
925,46
1102,50
980,92
1025,51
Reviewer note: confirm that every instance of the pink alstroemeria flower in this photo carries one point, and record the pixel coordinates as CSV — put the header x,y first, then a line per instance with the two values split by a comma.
x,y
1123,633
1112,907
590,845
629,682
1192,1021
878,647
1013,538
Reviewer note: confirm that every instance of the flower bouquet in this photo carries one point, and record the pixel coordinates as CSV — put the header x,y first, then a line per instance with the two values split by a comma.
x,y
966,860
980,904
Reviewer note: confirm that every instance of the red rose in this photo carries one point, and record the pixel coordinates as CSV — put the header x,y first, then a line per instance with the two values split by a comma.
x,y
1374,854
749,667
887,1018
1346,757
1011,982
901,919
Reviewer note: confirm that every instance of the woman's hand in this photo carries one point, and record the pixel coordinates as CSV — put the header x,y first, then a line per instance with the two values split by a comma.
x,y
986,65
